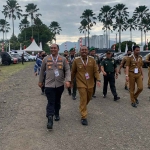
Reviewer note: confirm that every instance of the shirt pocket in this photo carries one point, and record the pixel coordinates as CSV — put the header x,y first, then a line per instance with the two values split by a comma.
x,y
80,68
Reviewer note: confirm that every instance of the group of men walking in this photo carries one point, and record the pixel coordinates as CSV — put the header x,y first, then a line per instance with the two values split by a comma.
x,y
82,73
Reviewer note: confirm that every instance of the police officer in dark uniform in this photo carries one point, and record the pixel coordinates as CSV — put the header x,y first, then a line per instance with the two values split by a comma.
x,y
97,59
70,60
109,69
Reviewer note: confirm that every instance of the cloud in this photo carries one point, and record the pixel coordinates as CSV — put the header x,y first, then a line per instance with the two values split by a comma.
x,y
68,12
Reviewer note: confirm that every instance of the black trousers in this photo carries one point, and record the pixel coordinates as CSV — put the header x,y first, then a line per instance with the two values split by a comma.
x,y
43,87
110,78
94,89
54,100
74,89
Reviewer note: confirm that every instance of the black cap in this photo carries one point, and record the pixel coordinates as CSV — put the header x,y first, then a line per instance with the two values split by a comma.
x,y
108,51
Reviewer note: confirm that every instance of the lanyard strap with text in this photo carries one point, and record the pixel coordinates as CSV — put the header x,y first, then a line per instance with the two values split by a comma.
x,y
55,61
135,58
84,64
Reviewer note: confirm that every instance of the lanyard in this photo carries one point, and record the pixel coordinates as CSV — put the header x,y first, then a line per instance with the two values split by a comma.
x,y
135,58
55,61
85,64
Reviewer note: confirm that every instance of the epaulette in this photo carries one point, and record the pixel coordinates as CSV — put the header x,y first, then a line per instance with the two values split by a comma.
x,y
131,55
91,56
77,57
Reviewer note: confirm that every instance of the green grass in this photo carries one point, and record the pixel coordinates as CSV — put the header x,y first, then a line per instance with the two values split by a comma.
x,y
7,71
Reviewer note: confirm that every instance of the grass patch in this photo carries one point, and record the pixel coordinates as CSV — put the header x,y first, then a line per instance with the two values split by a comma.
x,y
7,71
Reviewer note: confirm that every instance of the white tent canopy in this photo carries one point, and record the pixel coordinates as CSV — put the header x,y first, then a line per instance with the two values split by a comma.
x,y
33,47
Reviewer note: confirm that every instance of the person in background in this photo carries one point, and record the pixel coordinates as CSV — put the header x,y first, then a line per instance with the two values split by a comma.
x,y
22,58
134,74
96,58
71,58
84,69
37,68
148,62
109,69
123,64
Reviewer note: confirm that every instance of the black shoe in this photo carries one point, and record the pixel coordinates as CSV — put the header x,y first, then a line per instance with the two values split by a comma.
x,y
137,101
57,118
94,96
126,88
104,96
50,122
84,122
134,105
116,98
74,97
149,87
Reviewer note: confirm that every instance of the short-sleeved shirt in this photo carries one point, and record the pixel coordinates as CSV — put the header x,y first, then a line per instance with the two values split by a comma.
x,y
79,71
109,65
132,63
123,62
148,58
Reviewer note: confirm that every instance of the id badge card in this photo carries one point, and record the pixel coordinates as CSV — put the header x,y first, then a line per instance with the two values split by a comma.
x,y
87,76
56,72
136,70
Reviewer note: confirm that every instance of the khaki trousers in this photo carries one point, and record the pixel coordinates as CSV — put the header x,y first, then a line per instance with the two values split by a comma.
x,y
85,97
126,83
135,78
148,76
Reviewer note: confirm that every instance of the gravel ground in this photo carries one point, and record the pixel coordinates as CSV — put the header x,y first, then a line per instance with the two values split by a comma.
x,y
112,125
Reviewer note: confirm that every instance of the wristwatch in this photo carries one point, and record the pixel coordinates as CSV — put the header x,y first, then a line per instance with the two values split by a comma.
x,y
99,80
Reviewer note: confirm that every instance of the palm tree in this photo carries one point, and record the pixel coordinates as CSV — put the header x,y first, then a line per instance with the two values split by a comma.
x,y
105,16
83,27
138,14
55,28
89,16
145,26
38,23
31,10
23,25
4,26
121,16
11,9
131,25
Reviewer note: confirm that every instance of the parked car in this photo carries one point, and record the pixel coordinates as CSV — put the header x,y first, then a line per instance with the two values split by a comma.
x,y
15,55
144,55
6,58
31,57
0,60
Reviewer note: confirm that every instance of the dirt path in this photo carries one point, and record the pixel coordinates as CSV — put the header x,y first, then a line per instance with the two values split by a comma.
x,y
112,125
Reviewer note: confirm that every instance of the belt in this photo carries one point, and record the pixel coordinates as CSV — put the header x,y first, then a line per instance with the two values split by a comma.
x,y
110,72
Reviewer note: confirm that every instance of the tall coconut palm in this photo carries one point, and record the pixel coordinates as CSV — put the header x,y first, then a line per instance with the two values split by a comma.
x,y
138,14
4,26
89,16
83,27
145,26
131,25
121,16
38,23
23,25
106,17
31,10
12,10
55,29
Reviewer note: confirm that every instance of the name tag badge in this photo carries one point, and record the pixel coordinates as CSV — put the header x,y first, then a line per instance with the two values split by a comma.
x,y
87,76
136,70
56,73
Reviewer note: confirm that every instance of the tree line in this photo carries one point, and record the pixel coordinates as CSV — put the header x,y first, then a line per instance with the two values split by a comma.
x,y
117,19
34,28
